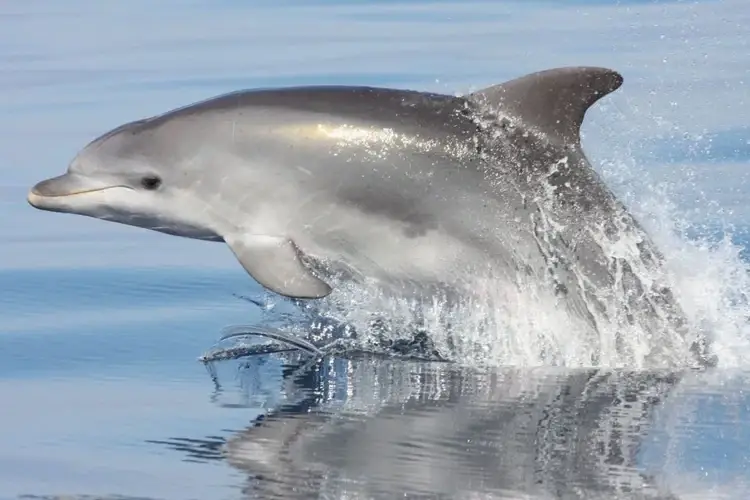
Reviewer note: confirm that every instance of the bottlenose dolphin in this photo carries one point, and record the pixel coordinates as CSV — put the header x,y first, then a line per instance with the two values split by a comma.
x,y
309,186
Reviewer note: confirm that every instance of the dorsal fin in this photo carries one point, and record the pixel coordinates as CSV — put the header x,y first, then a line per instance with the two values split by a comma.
x,y
555,101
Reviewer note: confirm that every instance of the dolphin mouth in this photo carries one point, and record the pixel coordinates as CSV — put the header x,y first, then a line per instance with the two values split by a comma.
x,y
47,192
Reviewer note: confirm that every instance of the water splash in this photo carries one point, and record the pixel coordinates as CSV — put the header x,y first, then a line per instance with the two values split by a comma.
x,y
521,326
704,266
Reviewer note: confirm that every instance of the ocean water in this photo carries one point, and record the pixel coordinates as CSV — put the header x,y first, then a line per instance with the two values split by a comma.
x,y
102,392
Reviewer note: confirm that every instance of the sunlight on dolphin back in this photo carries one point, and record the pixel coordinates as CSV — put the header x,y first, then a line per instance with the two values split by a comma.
x,y
374,140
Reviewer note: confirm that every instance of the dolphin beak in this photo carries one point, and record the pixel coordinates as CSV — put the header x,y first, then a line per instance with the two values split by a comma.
x,y
45,194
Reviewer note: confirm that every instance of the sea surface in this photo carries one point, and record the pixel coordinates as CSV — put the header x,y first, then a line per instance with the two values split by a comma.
x,y
103,395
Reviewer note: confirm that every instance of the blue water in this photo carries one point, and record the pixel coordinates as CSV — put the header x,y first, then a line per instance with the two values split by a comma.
x,y
101,325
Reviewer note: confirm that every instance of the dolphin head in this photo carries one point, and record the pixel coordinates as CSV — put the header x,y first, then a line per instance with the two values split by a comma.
x,y
122,177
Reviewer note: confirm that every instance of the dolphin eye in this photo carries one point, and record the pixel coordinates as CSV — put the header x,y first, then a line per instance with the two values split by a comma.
x,y
150,182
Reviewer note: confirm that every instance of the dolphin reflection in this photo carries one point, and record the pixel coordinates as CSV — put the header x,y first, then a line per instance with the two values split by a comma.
x,y
374,429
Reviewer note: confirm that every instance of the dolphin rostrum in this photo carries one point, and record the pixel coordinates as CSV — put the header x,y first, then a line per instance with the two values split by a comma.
x,y
311,185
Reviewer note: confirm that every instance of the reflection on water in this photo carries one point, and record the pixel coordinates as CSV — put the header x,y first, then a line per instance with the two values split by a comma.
x,y
374,429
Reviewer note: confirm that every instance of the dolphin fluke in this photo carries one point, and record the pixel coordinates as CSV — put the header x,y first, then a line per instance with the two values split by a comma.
x,y
554,101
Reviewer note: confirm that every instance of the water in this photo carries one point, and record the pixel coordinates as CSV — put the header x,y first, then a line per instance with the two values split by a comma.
x,y
101,325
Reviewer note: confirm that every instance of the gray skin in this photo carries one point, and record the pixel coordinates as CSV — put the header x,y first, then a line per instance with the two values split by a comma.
x,y
314,187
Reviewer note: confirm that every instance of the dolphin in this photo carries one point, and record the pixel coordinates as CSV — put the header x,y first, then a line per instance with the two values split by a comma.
x,y
313,187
